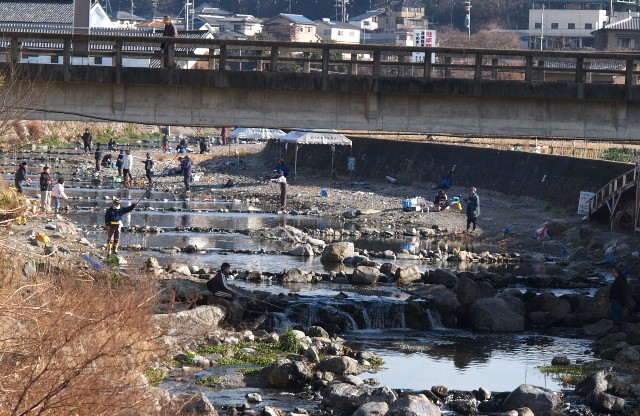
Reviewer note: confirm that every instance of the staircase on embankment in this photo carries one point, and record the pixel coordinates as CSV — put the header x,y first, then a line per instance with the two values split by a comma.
x,y
620,192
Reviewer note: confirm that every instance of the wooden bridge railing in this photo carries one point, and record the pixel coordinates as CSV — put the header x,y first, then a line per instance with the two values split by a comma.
x,y
611,193
347,59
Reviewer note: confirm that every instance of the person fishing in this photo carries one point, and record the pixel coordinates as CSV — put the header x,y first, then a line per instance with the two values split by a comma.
x,y
113,222
218,283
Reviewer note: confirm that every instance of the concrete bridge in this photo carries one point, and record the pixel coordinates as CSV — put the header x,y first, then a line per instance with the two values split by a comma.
x,y
211,82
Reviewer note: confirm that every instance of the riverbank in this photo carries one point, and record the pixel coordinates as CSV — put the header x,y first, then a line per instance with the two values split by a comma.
x,y
570,240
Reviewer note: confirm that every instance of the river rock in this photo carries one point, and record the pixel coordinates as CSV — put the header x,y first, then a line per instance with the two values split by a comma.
x,y
29,269
556,308
494,314
599,328
442,277
365,275
628,354
197,323
381,394
343,396
253,397
539,400
407,274
182,290
560,360
192,404
268,411
557,227
304,250
178,268
337,252
311,354
605,402
413,405
287,374
297,276
339,365
372,409
598,382
388,268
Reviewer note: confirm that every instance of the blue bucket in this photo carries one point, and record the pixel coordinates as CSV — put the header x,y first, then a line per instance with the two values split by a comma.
x,y
324,192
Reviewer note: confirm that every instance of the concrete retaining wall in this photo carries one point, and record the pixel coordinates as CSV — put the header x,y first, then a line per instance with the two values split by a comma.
x,y
556,179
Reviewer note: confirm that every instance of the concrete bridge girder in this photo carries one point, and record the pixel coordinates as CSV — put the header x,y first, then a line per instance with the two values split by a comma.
x,y
461,107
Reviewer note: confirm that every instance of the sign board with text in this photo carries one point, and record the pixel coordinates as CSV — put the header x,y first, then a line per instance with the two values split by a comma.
x,y
426,38
583,202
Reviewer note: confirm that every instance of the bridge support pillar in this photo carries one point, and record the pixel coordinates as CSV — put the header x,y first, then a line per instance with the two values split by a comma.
x,y
372,106
119,97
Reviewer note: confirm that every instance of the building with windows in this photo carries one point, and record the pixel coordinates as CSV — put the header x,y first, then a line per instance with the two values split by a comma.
x,y
623,35
337,32
568,24
291,27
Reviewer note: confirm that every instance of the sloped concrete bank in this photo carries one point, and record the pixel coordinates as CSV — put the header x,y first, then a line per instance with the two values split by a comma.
x,y
556,179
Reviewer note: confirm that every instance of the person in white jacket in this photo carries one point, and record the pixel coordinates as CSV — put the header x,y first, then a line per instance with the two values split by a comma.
x,y
127,164
57,193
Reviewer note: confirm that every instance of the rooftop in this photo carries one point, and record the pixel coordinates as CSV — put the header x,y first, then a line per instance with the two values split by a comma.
x,y
37,11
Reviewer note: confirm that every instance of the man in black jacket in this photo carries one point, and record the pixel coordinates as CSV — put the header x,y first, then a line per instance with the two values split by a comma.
x,y
618,293
218,284
21,175
45,189
169,30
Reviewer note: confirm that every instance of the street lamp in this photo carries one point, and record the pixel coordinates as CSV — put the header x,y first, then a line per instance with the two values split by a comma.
x,y
467,17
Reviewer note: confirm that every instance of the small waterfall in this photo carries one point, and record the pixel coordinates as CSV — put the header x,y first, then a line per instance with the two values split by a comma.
x,y
435,320
385,315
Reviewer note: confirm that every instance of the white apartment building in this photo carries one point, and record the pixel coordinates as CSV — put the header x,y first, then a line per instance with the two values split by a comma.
x,y
338,32
567,29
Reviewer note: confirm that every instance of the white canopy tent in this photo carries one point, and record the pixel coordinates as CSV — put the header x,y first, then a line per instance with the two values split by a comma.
x,y
256,133
315,136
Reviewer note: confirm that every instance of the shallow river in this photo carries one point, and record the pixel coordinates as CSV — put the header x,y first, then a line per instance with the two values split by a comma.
x,y
414,360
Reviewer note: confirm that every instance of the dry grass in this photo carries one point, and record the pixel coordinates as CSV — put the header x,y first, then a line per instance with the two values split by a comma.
x,y
75,346
12,204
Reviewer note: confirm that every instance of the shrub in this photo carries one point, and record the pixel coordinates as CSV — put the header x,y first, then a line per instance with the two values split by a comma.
x,y
35,129
73,344
290,342
618,154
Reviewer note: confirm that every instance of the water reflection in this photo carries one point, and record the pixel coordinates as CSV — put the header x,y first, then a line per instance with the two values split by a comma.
x,y
466,360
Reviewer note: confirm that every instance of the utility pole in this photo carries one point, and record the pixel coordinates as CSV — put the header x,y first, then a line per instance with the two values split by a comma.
x,y
467,17
541,27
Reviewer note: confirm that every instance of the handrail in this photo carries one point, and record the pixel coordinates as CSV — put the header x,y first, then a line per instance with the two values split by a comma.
x,y
348,59
613,188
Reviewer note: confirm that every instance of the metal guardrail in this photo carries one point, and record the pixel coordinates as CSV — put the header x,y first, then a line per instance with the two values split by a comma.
x,y
347,59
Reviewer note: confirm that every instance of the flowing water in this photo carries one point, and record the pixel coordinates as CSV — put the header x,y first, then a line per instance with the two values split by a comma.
x,y
373,318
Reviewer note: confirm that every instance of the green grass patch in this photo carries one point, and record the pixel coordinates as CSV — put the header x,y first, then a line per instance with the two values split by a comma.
x,y
208,380
376,362
570,375
290,342
187,359
55,141
265,353
155,376
618,154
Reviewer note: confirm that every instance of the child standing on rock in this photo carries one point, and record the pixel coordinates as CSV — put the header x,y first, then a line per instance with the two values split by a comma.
x,y
57,193
113,222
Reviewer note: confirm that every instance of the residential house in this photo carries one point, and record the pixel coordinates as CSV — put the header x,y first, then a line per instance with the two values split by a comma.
x,y
44,15
56,16
337,32
126,19
403,15
241,23
367,22
620,35
291,27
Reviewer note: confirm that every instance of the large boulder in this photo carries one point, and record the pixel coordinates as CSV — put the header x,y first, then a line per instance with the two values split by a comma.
x,y
557,227
304,250
191,404
413,405
440,299
197,323
556,308
594,382
365,275
372,409
494,314
605,402
337,252
407,274
541,401
343,396
179,268
182,290
297,276
444,277
339,365
287,374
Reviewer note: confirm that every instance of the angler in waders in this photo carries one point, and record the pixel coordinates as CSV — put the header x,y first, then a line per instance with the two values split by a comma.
x,y
113,222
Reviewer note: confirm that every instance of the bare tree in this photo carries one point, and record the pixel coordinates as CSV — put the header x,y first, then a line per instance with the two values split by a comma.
x,y
19,95
73,343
